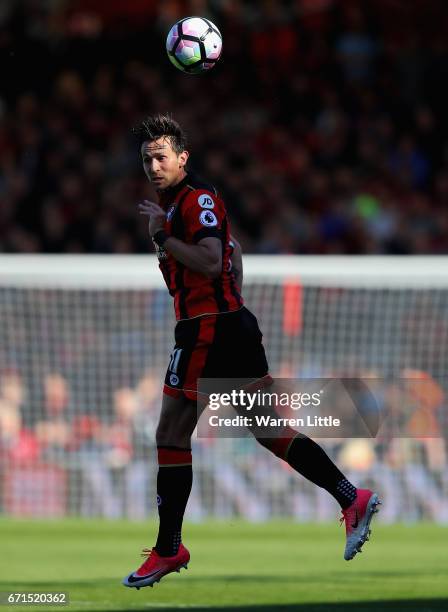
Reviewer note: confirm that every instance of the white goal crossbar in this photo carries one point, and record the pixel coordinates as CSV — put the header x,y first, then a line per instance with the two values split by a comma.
x,y
141,271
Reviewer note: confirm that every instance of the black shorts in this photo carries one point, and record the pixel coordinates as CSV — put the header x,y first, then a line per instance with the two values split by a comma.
x,y
227,345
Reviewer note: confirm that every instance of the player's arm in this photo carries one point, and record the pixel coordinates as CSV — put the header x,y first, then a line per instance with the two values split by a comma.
x,y
237,262
204,257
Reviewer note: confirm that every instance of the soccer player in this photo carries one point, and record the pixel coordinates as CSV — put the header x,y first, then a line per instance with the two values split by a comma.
x,y
216,336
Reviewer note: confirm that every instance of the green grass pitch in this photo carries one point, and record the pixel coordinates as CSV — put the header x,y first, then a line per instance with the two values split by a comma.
x,y
271,567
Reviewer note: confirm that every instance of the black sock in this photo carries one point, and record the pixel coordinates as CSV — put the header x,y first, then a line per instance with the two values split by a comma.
x,y
310,460
174,481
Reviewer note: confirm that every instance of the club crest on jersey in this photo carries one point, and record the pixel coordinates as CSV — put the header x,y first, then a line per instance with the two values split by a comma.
x,y
174,380
208,218
205,201
170,212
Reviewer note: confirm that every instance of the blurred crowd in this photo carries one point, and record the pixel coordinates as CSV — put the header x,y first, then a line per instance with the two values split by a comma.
x,y
58,459
98,463
323,125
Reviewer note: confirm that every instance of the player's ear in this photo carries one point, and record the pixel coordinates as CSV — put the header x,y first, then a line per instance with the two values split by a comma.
x,y
183,157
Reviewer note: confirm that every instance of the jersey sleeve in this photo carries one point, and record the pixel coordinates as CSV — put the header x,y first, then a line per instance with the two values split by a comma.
x,y
203,214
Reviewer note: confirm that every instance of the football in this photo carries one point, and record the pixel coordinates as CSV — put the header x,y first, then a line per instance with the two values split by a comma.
x,y
194,45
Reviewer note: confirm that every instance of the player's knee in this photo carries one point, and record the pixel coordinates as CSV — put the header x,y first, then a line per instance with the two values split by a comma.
x,y
171,436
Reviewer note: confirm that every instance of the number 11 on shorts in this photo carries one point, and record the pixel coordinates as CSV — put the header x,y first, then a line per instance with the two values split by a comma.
x,y
174,360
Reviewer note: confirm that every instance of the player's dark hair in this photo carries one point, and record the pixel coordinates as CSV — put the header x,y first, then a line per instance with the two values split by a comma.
x,y
158,126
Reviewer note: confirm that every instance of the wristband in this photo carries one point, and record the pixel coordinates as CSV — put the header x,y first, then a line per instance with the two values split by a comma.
x,y
160,237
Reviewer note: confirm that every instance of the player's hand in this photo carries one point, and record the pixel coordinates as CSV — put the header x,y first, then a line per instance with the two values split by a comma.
x,y
156,214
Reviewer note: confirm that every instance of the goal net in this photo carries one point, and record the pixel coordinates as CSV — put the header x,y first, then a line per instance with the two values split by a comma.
x,y
85,342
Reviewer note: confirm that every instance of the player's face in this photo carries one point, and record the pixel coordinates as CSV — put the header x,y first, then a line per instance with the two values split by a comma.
x,y
163,166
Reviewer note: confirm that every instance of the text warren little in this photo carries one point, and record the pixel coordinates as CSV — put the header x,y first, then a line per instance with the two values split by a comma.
x,y
267,421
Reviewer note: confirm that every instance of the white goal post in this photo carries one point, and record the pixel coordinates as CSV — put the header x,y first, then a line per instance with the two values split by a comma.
x,y
85,341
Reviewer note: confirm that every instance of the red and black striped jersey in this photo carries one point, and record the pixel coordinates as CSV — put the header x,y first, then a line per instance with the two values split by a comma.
x,y
195,211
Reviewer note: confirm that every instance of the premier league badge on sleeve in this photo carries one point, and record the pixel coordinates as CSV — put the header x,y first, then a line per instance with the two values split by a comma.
x,y
208,218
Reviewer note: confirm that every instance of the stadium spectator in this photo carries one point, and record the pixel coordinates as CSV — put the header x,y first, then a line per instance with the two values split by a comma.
x,y
18,444
127,455
53,430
